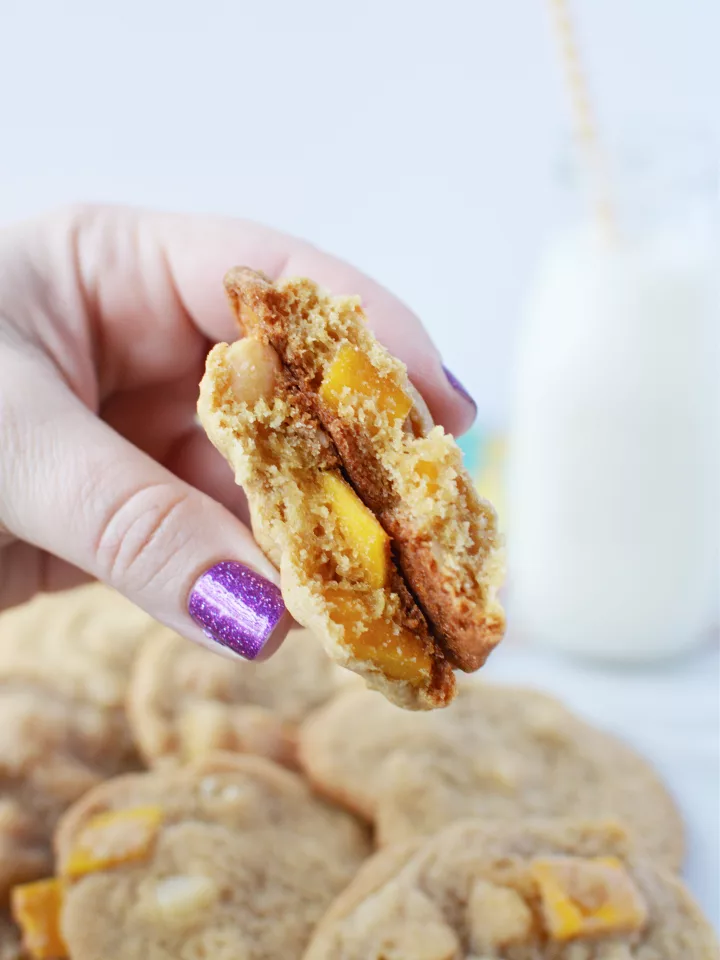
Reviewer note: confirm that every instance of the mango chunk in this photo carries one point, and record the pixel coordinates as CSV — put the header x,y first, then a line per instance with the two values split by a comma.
x,y
114,838
365,538
400,656
351,369
36,909
428,471
584,897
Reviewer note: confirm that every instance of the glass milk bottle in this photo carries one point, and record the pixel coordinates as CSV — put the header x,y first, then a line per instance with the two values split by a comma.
x,y
614,454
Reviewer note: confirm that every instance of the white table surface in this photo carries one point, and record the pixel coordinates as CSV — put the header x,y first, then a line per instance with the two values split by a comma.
x,y
669,712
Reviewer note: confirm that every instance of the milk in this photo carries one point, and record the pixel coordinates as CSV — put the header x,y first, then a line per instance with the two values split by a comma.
x,y
614,469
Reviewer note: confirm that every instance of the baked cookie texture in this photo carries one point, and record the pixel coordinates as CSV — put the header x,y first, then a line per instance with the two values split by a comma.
x,y
229,857
556,890
184,701
497,753
64,664
384,548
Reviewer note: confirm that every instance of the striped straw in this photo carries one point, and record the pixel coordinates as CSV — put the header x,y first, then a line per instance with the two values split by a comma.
x,y
586,127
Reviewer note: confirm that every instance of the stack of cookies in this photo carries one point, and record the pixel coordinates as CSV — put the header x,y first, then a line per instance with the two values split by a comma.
x,y
160,803
147,808
231,810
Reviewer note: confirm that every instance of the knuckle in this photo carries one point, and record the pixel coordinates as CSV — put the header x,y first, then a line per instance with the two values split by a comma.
x,y
140,534
76,213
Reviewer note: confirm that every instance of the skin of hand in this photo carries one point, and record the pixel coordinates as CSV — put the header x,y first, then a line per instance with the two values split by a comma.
x,y
106,316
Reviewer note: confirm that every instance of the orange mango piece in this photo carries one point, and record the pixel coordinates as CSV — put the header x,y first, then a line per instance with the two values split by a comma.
x,y
366,539
352,369
113,838
584,897
399,656
36,910
429,471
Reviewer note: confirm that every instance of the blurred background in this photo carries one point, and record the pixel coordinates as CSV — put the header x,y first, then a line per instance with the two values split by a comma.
x,y
415,139
422,142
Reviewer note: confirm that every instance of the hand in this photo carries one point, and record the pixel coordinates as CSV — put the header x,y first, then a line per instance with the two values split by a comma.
x,y
106,315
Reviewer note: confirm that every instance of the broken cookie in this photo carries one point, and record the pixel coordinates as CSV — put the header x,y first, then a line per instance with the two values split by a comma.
x,y
384,548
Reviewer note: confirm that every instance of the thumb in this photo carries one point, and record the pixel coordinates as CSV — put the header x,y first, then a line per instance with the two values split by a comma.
x,y
82,492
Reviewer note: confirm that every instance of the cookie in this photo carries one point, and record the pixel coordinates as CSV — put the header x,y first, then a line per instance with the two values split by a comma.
x,y
184,701
384,548
407,470
338,576
64,664
229,857
78,645
515,891
497,752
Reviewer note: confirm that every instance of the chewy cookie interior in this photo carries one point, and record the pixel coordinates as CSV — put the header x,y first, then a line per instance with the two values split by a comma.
x,y
335,560
384,548
408,471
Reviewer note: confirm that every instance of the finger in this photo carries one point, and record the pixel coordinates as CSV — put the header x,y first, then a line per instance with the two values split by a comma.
x,y
174,413
154,278
75,488
173,436
196,461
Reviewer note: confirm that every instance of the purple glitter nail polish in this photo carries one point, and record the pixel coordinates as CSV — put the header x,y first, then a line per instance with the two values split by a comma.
x,y
458,387
236,607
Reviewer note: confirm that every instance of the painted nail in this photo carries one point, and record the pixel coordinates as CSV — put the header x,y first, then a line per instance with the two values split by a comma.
x,y
458,387
236,607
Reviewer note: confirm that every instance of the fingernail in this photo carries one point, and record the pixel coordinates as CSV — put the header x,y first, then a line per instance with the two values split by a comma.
x,y
236,607
458,387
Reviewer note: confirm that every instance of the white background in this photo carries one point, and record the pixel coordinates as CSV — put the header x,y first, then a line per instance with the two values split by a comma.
x,y
415,139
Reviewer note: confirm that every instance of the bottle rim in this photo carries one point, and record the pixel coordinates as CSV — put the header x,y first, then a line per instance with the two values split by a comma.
x,y
679,158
